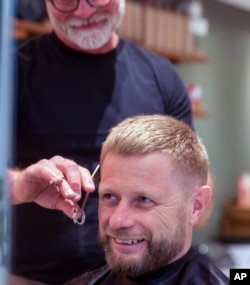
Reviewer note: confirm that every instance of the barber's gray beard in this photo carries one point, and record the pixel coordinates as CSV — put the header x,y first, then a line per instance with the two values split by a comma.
x,y
89,40
158,254
86,40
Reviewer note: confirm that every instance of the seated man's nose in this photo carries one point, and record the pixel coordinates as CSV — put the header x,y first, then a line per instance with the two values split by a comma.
x,y
121,218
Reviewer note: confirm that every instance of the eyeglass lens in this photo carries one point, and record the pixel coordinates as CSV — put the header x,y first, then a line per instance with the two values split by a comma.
x,y
71,5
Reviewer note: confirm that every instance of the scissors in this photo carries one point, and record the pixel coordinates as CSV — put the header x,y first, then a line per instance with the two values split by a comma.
x,y
80,221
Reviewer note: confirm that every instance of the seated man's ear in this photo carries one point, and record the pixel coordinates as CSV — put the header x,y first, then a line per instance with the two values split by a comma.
x,y
200,200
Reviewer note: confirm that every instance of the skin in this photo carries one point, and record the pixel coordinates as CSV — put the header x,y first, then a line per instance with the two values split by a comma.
x,y
88,22
32,184
140,206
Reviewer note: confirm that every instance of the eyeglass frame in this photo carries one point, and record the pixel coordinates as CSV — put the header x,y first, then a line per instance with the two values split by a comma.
x,y
78,1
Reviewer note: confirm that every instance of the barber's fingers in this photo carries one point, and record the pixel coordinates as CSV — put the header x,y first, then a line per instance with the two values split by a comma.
x,y
43,171
63,174
66,206
53,200
75,176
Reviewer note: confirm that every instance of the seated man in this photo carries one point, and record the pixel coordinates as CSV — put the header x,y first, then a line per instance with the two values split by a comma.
x,y
151,194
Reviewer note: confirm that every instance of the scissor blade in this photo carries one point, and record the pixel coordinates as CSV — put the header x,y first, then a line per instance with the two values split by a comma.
x,y
96,177
96,173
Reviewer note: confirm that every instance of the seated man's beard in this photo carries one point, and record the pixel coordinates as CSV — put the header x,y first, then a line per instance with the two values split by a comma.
x,y
158,254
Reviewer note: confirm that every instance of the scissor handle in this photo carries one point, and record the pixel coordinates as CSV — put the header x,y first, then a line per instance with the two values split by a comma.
x,y
81,220
95,176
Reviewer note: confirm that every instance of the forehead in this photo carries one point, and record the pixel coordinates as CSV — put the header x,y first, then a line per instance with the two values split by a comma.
x,y
151,172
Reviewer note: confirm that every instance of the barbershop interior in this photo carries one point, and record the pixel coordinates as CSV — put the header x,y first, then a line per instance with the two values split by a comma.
x,y
208,42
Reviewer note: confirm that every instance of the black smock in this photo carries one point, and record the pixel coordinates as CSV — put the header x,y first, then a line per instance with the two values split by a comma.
x,y
192,269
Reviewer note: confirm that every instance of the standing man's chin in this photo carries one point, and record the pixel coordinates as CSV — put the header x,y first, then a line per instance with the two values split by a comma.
x,y
91,43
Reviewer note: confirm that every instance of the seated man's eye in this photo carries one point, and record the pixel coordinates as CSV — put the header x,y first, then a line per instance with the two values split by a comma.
x,y
108,196
144,202
144,199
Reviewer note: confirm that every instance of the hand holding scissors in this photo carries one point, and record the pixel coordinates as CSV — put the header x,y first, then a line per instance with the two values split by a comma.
x,y
80,221
64,175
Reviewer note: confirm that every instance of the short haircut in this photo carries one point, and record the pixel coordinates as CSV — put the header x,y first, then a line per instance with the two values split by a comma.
x,y
150,133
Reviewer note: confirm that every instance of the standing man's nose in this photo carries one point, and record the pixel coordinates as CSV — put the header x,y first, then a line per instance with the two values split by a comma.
x,y
84,9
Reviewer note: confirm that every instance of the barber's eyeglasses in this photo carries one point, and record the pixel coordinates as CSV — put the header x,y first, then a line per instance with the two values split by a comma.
x,y
69,6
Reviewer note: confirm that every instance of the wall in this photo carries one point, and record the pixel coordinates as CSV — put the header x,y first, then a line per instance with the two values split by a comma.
x,y
226,95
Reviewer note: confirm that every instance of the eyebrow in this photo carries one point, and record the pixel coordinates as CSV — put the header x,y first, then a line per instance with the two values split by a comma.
x,y
153,194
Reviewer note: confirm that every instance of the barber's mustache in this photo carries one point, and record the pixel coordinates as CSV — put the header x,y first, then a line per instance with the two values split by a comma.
x,y
76,21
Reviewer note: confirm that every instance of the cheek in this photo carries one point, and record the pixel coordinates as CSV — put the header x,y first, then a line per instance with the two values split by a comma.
x,y
151,221
103,216
57,15
60,17
162,222
113,6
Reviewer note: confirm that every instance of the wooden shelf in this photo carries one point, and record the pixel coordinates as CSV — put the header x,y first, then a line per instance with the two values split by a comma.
x,y
235,220
199,111
176,58
162,31
24,29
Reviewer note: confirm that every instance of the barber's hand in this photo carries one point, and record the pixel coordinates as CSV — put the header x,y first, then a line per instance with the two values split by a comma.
x,y
32,184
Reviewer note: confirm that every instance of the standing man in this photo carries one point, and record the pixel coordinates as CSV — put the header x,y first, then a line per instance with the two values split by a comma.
x,y
74,84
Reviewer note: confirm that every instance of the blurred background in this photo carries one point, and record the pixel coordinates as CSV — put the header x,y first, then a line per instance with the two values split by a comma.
x,y
208,41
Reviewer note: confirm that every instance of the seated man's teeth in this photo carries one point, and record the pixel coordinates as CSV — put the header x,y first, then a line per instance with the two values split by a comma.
x,y
127,241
